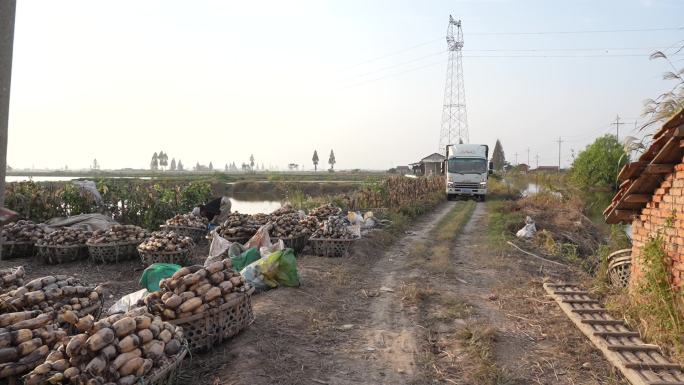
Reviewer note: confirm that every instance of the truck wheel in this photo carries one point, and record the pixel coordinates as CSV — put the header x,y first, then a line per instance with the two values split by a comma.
x,y
448,197
482,198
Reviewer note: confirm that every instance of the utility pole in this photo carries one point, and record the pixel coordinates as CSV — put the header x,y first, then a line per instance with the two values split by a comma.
x,y
516,158
617,127
536,158
528,156
559,153
7,13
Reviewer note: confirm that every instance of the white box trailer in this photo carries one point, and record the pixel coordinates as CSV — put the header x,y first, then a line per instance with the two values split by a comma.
x,y
467,169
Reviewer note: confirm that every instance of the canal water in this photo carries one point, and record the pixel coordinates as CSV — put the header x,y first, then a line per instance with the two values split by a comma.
x,y
241,205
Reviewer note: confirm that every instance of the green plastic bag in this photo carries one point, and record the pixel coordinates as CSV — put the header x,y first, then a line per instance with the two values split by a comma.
x,y
280,267
156,272
243,259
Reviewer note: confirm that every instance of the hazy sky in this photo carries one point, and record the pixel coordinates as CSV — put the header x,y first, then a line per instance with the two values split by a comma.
x,y
220,80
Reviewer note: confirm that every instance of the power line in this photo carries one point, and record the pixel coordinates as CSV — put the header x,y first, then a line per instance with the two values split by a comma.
x,y
557,56
394,75
579,31
402,63
393,53
563,49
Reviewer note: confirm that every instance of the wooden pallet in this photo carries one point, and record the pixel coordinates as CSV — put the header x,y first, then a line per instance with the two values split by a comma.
x,y
640,363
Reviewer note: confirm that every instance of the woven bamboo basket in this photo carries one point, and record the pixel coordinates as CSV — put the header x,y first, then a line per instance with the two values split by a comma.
x,y
296,243
167,374
330,247
240,240
620,267
53,255
208,329
113,252
181,257
196,233
12,249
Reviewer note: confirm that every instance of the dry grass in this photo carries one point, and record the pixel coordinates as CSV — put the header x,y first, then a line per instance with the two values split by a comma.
x,y
450,308
478,340
341,275
434,255
413,293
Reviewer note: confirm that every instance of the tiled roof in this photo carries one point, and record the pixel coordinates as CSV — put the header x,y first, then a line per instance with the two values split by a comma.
x,y
639,180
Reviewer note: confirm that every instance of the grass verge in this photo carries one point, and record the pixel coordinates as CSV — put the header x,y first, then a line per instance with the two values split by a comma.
x,y
434,254
652,305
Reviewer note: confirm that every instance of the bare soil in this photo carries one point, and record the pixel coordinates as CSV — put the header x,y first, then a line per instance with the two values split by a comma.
x,y
381,317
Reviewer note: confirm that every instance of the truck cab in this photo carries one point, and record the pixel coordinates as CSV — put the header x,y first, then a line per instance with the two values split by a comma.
x,y
466,169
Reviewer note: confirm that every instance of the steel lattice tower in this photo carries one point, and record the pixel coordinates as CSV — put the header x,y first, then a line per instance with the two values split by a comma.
x,y
454,117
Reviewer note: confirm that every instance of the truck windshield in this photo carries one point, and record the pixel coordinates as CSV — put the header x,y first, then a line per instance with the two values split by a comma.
x,y
467,166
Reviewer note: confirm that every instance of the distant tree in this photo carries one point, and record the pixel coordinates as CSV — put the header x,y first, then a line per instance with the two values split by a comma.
x,y
331,160
211,167
225,168
315,160
293,166
163,159
180,165
251,161
197,167
173,164
598,165
245,167
262,167
154,164
95,166
498,156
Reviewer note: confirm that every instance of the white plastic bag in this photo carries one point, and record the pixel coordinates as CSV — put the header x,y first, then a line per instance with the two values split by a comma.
x,y
355,230
219,245
261,238
528,231
265,251
127,302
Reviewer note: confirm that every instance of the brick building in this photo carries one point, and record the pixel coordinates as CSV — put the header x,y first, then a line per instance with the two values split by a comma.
x,y
651,198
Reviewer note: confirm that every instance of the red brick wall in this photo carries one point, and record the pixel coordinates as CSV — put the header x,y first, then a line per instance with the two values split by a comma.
x,y
664,214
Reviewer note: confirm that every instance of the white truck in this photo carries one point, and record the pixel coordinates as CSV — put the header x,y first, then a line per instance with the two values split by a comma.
x,y
466,170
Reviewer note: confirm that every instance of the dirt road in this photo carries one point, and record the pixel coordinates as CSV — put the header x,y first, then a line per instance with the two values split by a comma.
x,y
402,316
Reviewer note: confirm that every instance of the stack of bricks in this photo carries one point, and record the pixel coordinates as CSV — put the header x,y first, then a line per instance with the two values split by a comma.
x,y
664,216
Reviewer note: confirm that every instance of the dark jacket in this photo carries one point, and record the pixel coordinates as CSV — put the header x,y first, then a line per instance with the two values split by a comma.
x,y
211,209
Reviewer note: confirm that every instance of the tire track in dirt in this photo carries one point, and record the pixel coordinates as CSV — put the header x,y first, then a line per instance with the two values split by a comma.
x,y
533,342
338,328
390,334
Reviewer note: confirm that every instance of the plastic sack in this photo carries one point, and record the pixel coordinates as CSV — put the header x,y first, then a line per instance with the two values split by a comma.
x,y
156,272
245,258
252,275
355,218
127,302
528,231
266,250
88,187
369,223
219,245
279,268
355,230
261,238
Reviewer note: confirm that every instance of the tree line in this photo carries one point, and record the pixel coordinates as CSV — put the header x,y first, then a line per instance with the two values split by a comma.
x,y
161,161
